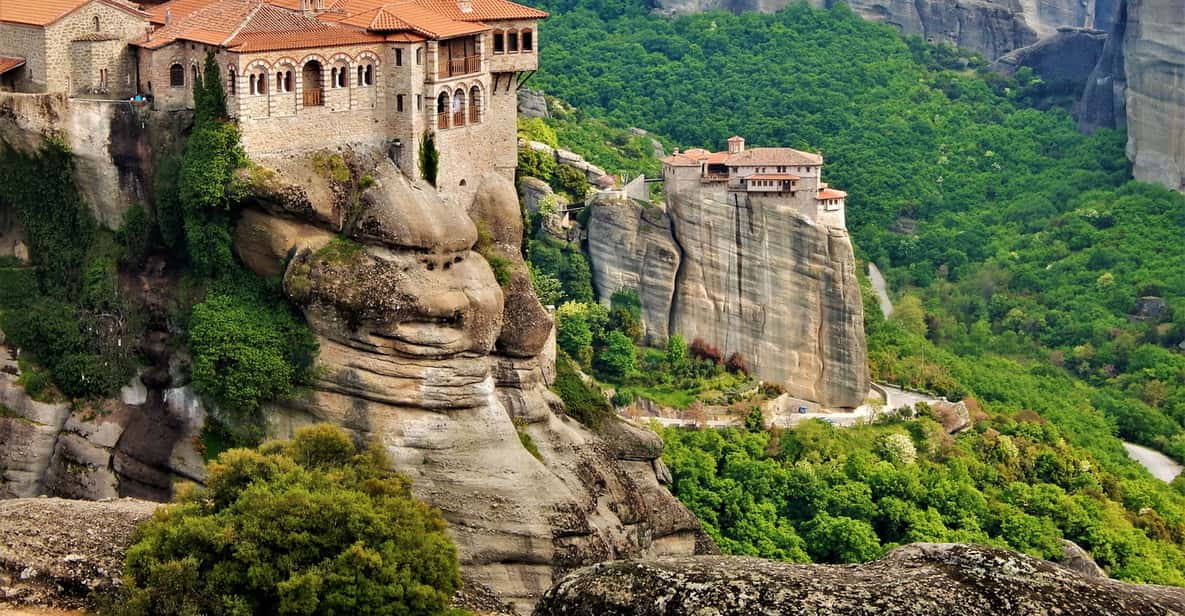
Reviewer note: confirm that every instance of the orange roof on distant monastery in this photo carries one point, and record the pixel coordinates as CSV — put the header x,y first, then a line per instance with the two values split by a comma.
x,y
831,193
774,156
409,15
223,22
680,160
46,12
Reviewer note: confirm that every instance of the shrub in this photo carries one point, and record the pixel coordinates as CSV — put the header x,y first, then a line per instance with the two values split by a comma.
x,y
135,234
314,526
622,398
582,401
248,346
82,375
532,163
702,350
736,363
572,181
535,129
619,358
573,332
429,158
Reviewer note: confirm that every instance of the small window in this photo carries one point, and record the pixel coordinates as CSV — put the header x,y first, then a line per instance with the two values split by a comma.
x,y
512,41
287,81
419,55
360,84
370,74
230,82
398,102
398,57
176,76
528,40
419,102
279,82
96,23
342,80
333,77
193,70
499,41
254,85
102,78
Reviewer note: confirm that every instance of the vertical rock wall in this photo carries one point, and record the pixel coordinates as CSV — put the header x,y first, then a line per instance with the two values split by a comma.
x,y
752,277
1154,67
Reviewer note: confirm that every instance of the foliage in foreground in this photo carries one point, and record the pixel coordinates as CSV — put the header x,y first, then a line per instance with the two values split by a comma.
x,y
315,525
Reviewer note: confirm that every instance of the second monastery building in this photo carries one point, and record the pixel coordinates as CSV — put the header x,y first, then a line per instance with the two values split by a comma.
x,y
299,74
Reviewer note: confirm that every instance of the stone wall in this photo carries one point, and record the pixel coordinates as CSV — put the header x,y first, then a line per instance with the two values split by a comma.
x,y
154,67
114,56
27,42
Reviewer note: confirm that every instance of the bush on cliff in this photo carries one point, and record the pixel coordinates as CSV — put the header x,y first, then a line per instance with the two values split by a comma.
x,y
316,526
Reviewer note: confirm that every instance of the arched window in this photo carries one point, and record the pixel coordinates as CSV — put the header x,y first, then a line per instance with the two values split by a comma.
x,y
369,74
528,39
475,105
360,70
176,76
442,110
499,41
287,81
193,71
231,82
279,81
333,77
96,23
419,55
512,41
339,77
459,107
254,86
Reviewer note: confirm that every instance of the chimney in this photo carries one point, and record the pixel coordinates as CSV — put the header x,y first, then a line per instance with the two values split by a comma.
x,y
466,6
736,144
168,16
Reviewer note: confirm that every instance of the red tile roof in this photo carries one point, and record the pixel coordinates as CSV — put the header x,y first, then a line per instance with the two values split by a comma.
x,y
774,156
257,25
410,15
45,12
680,160
275,41
177,9
7,63
831,193
484,10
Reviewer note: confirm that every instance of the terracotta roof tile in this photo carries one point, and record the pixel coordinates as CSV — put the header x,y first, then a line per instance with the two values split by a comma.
x,y
8,63
831,193
680,160
484,10
275,41
774,156
717,158
257,25
45,12
176,9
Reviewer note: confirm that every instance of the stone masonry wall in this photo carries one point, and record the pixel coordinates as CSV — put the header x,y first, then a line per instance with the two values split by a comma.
x,y
120,60
29,43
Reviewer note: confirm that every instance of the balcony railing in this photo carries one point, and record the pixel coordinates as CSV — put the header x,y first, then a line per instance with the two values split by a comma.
x,y
313,98
458,118
474,113
442,120
460,66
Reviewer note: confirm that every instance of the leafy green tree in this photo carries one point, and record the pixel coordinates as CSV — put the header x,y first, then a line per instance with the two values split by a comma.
x,y
316,525
619,357
841,540
678,356
429,158
910,315
573,333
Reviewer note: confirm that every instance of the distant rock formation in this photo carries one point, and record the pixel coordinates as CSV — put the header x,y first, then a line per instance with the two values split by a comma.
x,y
423,350
922,579
1064,61
770,285
1154,67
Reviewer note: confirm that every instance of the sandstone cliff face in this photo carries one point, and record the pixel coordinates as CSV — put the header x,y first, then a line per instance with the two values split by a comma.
x,y
1154,67
425,352
919,580
748,278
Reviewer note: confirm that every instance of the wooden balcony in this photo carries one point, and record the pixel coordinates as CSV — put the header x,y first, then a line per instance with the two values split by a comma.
x,y
460,66
313,97
458,118
442,120
474,113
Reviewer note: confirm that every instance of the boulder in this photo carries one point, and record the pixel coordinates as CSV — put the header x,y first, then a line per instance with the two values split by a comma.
x,y
531,103
1064,60
921,579
1077,559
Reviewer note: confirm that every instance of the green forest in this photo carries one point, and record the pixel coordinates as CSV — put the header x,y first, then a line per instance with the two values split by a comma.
x,y
1034,279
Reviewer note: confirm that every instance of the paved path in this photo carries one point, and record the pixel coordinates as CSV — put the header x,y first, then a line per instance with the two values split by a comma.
x,y
878,285
1161,466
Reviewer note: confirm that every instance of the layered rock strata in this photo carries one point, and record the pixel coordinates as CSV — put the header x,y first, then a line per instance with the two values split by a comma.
x,y
446,364
753,278
1154,69
919,580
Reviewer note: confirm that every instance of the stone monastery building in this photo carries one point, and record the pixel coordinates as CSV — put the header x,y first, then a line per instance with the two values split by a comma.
x,y
299,74
783,176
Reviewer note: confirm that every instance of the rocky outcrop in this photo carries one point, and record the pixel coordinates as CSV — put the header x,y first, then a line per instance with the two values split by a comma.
x,y
56,552
531,103
443,361
918,580
748,278
1063,61
632,247
1154,66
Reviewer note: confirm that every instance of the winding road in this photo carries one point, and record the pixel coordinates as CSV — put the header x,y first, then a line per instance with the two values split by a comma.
x,y
1161,466
878,285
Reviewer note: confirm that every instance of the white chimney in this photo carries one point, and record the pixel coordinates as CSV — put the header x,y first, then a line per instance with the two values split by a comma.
x,y
168,16
736,144
466,6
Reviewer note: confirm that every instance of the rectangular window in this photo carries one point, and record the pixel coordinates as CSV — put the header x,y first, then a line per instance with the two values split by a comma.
x,y
398,57
528,40
419,55
419,102
512,42
399,102
499,42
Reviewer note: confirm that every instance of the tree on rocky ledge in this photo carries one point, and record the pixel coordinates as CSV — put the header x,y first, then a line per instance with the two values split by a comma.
x,y
315,525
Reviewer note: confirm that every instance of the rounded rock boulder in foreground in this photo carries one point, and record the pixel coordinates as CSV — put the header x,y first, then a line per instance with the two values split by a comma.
x,y
921,579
